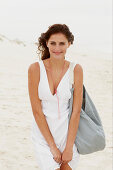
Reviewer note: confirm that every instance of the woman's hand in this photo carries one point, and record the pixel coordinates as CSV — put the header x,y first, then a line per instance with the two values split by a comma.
x,y
67,155
56,154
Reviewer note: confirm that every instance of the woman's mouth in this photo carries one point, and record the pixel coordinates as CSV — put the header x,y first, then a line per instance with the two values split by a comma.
x,y
57,53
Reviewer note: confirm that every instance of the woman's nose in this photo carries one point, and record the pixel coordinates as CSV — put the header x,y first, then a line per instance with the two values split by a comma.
x,y
57,47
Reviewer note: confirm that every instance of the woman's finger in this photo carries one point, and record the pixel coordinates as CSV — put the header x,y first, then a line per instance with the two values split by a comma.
x,y
58,160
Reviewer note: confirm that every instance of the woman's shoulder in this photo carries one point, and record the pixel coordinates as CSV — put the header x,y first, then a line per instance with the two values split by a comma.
x,y
76,66
34,69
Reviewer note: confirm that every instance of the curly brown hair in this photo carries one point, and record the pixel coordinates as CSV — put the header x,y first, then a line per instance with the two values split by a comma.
x,y
53,29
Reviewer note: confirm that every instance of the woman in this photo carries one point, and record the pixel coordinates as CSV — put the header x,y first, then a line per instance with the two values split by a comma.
x,y
49,91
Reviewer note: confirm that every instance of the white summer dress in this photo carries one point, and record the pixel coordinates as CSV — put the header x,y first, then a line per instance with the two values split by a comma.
x,y
58,127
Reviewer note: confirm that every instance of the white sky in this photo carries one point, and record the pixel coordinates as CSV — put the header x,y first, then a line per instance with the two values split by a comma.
x,y
89,20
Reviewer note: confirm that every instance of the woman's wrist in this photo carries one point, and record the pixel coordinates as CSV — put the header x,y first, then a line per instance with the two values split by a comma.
x,y
52,145
69,147
68,150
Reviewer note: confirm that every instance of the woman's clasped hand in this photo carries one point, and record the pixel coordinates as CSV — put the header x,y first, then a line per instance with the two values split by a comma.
x,y
63,157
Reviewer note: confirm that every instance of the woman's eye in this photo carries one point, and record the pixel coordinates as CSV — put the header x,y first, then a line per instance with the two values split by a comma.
x,y
52,43
55,44
62,43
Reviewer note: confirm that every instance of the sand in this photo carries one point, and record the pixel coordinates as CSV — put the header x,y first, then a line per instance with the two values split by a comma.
x,y
16,148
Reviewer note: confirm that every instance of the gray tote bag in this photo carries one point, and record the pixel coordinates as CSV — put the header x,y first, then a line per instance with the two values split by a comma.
x,y
90,134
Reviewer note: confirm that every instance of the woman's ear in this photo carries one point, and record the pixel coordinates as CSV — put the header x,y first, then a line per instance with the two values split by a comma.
x,y
69,43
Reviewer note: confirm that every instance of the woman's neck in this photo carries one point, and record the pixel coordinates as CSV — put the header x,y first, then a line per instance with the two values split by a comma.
x,y
57,64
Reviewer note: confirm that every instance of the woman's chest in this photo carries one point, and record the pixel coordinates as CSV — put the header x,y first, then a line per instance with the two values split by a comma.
x,y
63,88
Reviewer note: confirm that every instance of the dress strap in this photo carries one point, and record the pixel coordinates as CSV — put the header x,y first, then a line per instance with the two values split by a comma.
x,y
71,73
41,66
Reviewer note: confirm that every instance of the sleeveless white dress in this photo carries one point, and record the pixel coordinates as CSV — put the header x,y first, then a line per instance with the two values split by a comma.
x,y
58,127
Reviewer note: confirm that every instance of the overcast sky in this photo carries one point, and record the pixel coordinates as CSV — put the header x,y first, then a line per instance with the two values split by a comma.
x,y
89,20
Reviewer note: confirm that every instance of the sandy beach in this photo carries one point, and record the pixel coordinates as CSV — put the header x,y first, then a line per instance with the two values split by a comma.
x,y
16,148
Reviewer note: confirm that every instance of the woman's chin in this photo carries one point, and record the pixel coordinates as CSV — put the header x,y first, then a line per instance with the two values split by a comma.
x,y
57,56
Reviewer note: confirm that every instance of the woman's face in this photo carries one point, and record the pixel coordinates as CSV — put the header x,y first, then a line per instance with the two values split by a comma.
x,y
57,45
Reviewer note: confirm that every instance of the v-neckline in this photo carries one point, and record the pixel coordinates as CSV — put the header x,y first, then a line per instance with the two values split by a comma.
x,y
60,80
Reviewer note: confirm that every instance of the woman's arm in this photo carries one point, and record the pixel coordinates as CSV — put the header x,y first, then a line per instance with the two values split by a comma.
x,y
77,104
33,81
